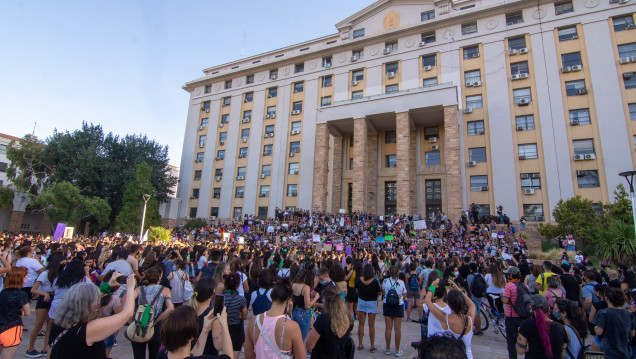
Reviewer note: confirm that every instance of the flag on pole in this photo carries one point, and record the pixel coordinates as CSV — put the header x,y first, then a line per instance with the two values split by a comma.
x,y
145,237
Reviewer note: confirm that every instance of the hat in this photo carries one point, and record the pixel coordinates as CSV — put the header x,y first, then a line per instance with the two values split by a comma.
x,y
511,270
539,301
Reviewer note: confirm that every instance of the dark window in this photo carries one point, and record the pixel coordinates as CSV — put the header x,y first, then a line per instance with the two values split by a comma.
x,y
249,97
517,43
588,179
325,101
390,161
580,117
622,23
574,88
475,128
428,37
528,151
477,182
193,212
469,28
267,150
563,7
195,193
389,137
358,33
299,86
432,158
225,118
571,59
262,212
272,92
208,89
214,212
568,33
430,60
524,123
299,67
228,84
249,79
226,101
519,68
471,52
216,193
630,80
583,147
391,67
327,81
514,18
533,212
428,15
356,95
392,88
206,106
297,106
477,154
627,50
530,181
197,174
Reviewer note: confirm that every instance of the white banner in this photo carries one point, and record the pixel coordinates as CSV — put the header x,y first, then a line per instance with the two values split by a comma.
x,y
418,225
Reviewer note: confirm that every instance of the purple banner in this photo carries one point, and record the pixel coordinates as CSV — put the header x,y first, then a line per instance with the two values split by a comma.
x,y
59,231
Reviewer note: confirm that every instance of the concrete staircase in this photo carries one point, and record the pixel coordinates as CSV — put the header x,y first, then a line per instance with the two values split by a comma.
x,y
534,238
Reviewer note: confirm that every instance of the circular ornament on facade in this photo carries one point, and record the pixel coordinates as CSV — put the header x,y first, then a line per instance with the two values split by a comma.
x,y
342,58
391,20
374,51
260,77
217,87
539,14
591,3
238,82
286,71
312,65
197,91
491,24
410,43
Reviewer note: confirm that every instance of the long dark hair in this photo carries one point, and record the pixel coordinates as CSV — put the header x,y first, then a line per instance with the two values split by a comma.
x,y
73,273
574,315
53,267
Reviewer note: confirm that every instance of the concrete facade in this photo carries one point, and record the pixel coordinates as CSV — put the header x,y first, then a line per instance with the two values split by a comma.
x,y
420,107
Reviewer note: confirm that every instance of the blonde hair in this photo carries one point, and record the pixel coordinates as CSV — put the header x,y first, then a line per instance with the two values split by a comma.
x,y
336,309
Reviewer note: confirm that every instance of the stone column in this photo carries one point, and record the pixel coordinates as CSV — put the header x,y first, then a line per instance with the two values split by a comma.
x,y
372,172
321,168
360,144
453,164
15,223
404,163
336,175
46,225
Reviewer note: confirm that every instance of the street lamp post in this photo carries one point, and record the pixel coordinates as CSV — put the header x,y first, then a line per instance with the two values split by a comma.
x,y
629,176
146,197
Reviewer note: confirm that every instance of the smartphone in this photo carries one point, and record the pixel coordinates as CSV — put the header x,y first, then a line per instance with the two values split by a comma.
x,y
219,302
122,279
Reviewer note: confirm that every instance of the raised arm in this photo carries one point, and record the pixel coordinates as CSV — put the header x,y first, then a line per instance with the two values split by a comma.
x,y
100,329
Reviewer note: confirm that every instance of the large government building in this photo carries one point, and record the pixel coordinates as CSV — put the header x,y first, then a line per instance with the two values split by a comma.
x,y
416,106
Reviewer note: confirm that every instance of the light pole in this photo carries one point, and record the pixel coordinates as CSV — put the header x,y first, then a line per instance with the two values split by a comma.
x,y
629,176
146,197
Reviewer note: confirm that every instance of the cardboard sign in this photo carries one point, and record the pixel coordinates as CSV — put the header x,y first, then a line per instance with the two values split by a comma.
x,y
380,240
328,247
342,210
315,238
68,232
348,250
270,229
339,247
419,225
241,240
388,238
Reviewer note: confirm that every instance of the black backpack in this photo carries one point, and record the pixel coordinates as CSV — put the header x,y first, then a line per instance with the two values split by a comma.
x,y
392,298
524,301
479,287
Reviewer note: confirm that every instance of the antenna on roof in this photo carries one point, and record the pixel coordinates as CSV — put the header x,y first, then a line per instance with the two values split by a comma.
x,y
34,124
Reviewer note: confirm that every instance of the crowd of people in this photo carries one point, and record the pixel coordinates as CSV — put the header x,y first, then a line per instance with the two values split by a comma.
x,y
295,285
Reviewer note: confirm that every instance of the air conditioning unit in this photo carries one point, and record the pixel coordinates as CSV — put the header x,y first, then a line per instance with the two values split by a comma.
x,y
631,26
433,140
590,156
468,110
574,122
293,194
294,172
266,135
475,55
469,84
512,52
240,178
581,173
435,147
354,58
482,132
623,1
428,68
522,157
386,51
212,218
246,100
523,75
197,161
217,178
244,139
200,128
484,188
520,128
272,115
262,195
633,58
221,125
269,96
201,145
219,158
476,83
472,163
245,120
327,65
529,191
566,69
536,175
422,43
582,91
354,83
295,112
390,75
625,60
266,153
262,175
577,68
515,77
525,176
628,75
191,197
291,154
579,157
295,132
221,143
239,195
523,50
241,156
273,77
523,101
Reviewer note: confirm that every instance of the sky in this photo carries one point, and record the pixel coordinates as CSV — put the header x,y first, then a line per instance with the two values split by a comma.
x,y
121,63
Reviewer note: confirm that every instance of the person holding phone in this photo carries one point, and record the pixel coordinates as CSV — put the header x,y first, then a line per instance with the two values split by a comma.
x,y
236,307
203,304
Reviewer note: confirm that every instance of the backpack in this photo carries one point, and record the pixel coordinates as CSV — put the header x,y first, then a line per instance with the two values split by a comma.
x,y
392,297
524,301
142,327
414,285
261,303
479,286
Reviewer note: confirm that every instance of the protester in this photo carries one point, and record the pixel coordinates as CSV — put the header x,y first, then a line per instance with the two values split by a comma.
x,y
202,303
236,308
369,290
329,336
615,326
540,337
574,323
14,302
393,309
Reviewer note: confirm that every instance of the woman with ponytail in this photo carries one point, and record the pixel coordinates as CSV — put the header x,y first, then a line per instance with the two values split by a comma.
x,y
540,337
201,302
575,325
330,333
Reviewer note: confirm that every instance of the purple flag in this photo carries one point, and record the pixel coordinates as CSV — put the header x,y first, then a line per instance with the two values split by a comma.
x,y
59,231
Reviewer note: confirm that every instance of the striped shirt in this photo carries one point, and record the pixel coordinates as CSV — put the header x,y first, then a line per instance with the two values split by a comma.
x,y
234,303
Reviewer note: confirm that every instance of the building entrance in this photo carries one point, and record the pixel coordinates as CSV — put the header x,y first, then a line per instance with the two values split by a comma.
x,y
433,197
390,197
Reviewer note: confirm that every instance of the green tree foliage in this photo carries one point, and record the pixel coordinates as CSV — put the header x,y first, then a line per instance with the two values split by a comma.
x,y
158,235
195,223
29,170
621,208
574,216
617,243
6,198
129,218
63,203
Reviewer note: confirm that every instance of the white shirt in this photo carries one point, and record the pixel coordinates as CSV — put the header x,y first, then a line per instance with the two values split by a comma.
x,y
434,325
400,288
32,266
241,290
201,263
45,285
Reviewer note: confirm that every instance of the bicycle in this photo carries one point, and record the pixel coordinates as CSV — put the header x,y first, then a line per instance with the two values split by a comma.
x,y
491,315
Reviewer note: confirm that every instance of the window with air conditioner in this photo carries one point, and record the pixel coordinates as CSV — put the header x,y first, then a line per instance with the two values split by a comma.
x,y
391,46
293,168
528,151
226,101
428,37
572,87
297,106
202,140
207,89
266,170
533,212
568,33
428,15
530,181
583,147
519,68
470,77
197,175
218,172
622,23
389,137
588,179
269,129
477,154
271,111
241,171
272,92
228,84
627,50
357,54
327,62
475,128
523,95
517,43
249,97
206,106
357,75
327,80
469,28
239,192
325,101
629,79
392,89
292,190
199,156
431,132
474,102
238,212
524,123
243,152
223,137
356,95
300,67
471,52
299,86
264,192
220,154
214,212
225,118
267,150
358,33
515,17
216,193
571,59
273,74
390,161
632,111
432,158
247,114
193,212
563,7
249,79
294,147
296,125
204,123
580,116
391,67
195,193
431,81
429,60
245,133
477,182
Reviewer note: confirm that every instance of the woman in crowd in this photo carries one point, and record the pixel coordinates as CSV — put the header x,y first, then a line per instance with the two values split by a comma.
x,y
600,290
110,304
553,292
261,299
237,266
77,332
369,290
177,280
438,299
15,304
615,326
337,275
303,300
236,308
273,334
531,279
575,325
330,332
152,289
496,284
352,296
222,269
44,289
181,330
201,302
540,337
72,274
393,313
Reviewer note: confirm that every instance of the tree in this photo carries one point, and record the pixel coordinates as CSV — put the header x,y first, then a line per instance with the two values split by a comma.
x,y
617,243
129,218
63,203
195,223
621,208
158,235
6,198
575,216
28,170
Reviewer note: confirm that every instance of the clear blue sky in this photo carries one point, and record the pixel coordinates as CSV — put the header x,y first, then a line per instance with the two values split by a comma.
x,y
122,63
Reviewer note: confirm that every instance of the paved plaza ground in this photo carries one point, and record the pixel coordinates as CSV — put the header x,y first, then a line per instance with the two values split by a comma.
x,y
490,345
